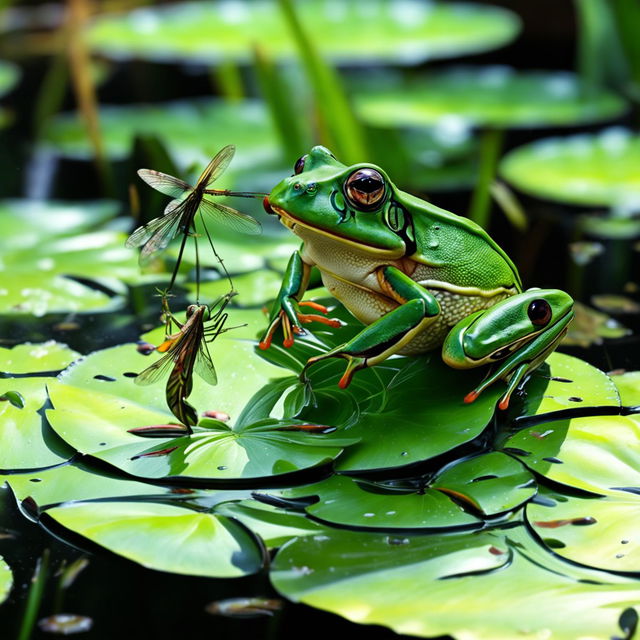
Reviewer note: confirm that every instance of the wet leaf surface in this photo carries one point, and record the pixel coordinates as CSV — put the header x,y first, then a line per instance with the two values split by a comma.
x,y
387,32
595,532
434,585
583,169
492,96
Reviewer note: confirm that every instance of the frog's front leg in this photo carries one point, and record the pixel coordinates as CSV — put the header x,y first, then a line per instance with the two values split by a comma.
x,y
387,335
286,309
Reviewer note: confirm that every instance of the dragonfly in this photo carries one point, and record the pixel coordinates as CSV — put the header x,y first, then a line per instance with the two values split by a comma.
x,y
186,351
180,214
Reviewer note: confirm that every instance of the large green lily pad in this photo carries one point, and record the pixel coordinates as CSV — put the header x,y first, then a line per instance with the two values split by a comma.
x,y
594,453
165,537
586,169
346,32
47,247
434,585
566,382
257,445
494,96
596,532
26,440
180,125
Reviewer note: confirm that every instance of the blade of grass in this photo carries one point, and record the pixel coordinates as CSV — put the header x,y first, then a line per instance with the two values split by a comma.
x,y
338,126
285,116
490,147
84,89
34,599
510,205
227,78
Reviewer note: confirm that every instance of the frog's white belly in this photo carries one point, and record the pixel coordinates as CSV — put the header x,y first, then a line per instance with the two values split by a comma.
x,y
350,276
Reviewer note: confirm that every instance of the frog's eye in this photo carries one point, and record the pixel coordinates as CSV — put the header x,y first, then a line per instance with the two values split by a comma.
x,y
365,188
299,165
539,312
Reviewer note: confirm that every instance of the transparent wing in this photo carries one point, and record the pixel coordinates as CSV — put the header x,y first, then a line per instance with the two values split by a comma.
x,y
164,231
204,364
217,166
230,218
164,183
159,369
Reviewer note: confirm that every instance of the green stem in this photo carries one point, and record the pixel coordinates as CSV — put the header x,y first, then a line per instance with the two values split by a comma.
x,y
35,597
490,147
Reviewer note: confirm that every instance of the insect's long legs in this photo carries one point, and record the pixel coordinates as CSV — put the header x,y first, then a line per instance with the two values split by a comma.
x,y
215,253
179,260
195,239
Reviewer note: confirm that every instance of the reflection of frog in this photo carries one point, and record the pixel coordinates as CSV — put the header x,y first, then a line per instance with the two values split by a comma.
x,y
417,275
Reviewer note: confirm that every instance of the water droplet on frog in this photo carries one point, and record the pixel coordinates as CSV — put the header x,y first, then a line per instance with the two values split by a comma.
x,y
404,453
434,244
222,468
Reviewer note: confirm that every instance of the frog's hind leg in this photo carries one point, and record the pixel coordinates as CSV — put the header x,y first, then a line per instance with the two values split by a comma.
x,y
389,334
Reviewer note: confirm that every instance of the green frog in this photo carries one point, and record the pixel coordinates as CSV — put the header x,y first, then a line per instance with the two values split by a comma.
x,y
418,276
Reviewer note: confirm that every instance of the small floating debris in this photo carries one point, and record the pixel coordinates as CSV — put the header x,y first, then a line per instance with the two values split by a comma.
x,y
64,624
577,522
160,431
244,607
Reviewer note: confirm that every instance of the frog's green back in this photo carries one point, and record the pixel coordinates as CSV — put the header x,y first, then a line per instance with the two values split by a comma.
x,y
464,251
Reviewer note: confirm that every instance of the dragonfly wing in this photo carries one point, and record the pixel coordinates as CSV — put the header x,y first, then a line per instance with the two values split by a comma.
x,y
217,166
164,183
159,369
230,218
163,232
204,365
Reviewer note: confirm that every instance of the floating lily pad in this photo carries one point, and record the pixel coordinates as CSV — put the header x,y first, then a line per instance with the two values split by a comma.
x,y
628,385
400,32
566,382
449,585
255,288
26,440
405,411
9,75
36,358
164,537
255,447
6,580
494,96
596,532
585,169
53,266
180,125
595,453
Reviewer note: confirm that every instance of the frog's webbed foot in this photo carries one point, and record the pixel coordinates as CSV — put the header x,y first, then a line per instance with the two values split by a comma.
x,y
290,318
354,363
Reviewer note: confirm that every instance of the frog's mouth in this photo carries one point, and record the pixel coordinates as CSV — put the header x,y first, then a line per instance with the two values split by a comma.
x,y
291,223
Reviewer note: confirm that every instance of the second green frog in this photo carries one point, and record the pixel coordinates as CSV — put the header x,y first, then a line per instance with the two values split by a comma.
x,y
418,276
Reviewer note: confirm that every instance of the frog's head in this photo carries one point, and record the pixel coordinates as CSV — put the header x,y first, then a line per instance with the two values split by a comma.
x,y
356,205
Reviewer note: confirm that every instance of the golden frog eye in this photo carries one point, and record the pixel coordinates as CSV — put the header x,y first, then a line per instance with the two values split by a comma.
x,y
365,188
299,165
539,312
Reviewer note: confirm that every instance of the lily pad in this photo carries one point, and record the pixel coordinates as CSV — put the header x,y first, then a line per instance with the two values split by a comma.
x,y
566,382
401,32
405,411
257,446
255,288
493,96
180,125
164,537
595,532
595,453
585,169
6,580
54,267
448,585
628,385
26,440
592,327
40,358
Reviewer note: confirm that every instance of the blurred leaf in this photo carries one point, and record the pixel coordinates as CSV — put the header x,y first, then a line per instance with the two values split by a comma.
x,y
592,327
387,31
583,169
